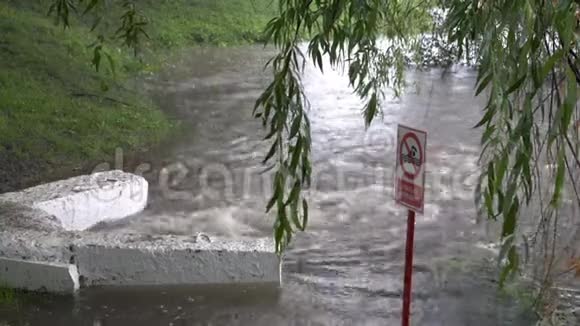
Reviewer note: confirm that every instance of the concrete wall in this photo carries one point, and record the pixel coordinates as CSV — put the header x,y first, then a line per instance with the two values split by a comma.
x,y
129,259
133,260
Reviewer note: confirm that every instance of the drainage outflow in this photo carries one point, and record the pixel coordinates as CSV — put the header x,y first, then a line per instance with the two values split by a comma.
x,y
43,245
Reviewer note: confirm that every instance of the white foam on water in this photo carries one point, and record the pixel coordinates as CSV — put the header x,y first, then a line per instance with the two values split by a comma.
x,y
229,222
247,218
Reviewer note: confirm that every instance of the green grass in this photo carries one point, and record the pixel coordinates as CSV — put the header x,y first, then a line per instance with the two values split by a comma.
x,y
57,113
179,23
7,296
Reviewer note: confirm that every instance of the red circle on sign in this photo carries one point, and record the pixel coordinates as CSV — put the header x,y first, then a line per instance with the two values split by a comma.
x,y
410,174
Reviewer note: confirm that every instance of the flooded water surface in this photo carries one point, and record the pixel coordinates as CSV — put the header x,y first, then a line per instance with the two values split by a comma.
x,y
348,268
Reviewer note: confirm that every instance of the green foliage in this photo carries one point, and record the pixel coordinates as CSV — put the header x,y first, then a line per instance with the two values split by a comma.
x,y
529,70
146,25
527,63
340,32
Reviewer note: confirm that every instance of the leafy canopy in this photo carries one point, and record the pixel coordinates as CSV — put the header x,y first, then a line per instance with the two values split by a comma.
x,y
130,29
526,53
351,33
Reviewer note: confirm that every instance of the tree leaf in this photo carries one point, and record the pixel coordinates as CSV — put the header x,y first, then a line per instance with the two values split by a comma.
x,y
483,84
271,202
489,205
295,126
271,152
90,6
371,110
509,223
549,64
500,170
516,85
296,154
490,111
294,194
305,212
511,267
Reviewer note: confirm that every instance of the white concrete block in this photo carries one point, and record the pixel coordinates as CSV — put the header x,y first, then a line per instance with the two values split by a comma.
x,y
168,260
39,276
83,201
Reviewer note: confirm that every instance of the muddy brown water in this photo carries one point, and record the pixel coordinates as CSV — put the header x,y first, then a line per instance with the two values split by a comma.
x,y
347,269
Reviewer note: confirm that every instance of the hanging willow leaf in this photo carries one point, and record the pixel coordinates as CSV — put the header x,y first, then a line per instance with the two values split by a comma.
x,y
489,113
483,84
97,57
345,32
510,219
371,109
305,216
511,267
295,126
516,85
501,169
271,152
131,31
92,4
296,154
550,63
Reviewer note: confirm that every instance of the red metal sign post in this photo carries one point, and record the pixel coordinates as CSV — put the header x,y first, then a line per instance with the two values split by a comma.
x,y
408,268
409,190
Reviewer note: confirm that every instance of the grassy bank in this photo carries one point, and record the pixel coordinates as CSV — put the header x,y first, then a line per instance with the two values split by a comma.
x,y
58,116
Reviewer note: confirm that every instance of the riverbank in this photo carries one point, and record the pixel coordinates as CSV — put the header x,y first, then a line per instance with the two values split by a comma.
x,y
59,117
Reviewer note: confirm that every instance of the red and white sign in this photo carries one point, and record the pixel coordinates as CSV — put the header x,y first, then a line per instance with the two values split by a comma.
x,y
410,168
